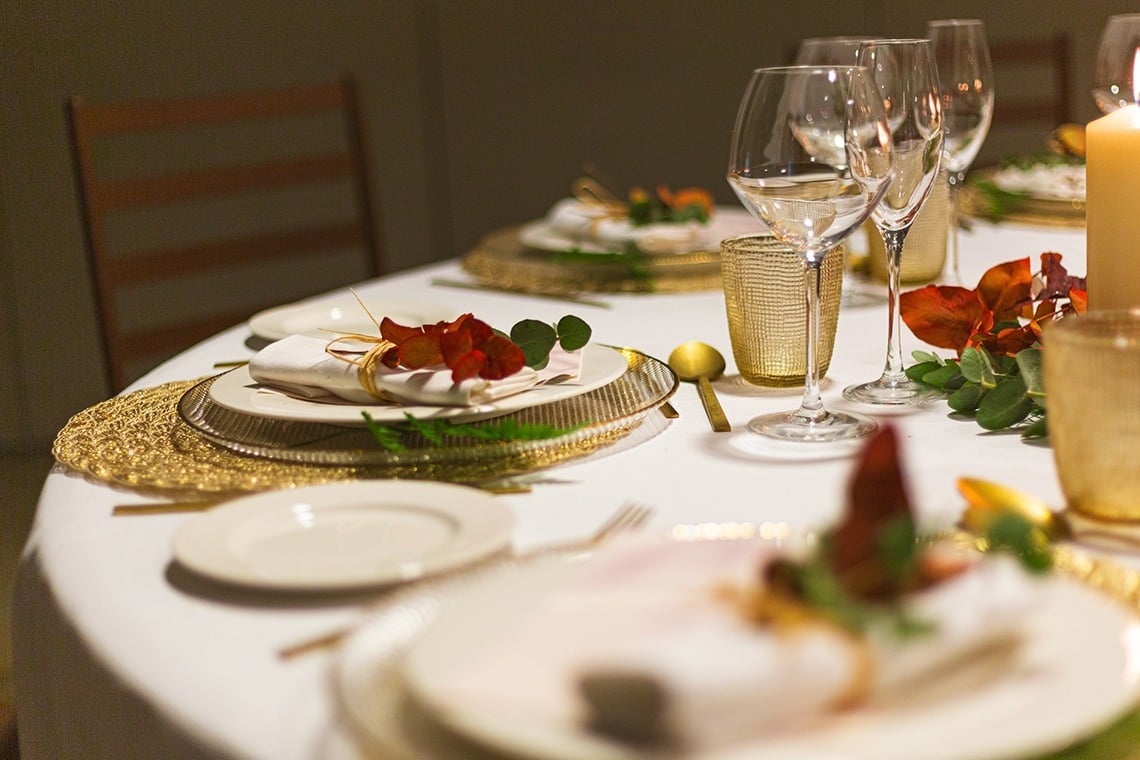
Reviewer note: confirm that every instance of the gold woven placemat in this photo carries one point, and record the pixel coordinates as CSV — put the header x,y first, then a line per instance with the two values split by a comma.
x,y
139,441
502,261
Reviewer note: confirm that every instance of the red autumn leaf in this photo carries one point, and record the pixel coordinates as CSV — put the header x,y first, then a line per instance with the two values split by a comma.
x,y
455,345
397,333
1079,299
1057,282
1004,289
1009,340
942,315
421,351
504,358
876,498
468,366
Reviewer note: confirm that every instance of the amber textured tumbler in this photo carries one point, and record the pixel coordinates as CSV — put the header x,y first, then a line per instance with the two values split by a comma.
x,y
764,298
1092,392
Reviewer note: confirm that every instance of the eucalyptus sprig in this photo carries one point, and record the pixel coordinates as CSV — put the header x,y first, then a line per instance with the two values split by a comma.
x,y
1000,392
437,431
537,339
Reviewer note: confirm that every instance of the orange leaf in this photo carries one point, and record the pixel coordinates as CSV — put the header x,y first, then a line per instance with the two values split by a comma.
x,y
1005,288
942,315
396,332
421,351
1080,300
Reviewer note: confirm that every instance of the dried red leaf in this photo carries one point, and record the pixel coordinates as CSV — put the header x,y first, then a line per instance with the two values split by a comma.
x,y
1005,288
943,315
454,346
503,358
876,498
397,333
467,366
1079,300
421,351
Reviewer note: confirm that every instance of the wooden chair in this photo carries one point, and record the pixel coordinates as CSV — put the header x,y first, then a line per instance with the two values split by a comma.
x,y
199,212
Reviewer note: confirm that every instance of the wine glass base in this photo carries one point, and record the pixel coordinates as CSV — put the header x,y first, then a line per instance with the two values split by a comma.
x,y
792,426
898,393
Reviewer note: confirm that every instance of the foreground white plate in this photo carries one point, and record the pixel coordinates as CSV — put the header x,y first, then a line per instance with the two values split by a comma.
x,y
238,391
1074,673
342,314
344,535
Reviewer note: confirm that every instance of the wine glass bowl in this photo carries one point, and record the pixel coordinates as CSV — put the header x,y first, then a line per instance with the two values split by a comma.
x,y
966,80
904,73
1114,78
786,167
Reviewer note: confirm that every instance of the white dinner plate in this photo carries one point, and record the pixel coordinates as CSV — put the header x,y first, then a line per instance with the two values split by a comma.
x,y
341,315
727,222
238,391
1073,673
344,535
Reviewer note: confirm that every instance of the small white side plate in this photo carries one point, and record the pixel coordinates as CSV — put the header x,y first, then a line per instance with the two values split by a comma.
x,y
344,535
342,314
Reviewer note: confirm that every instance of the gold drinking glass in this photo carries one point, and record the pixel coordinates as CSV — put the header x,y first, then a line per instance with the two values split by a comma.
x,y
1092,390
763,292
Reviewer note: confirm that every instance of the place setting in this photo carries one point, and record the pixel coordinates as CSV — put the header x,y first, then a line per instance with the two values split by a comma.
x,y
600,239
452,400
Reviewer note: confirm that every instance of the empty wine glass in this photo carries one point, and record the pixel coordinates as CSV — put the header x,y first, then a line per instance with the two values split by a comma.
x,y
907,81
837,51
1114,78
794,124
966,78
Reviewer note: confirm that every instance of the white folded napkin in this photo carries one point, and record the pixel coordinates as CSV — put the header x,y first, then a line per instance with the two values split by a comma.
x,y
640,644
300,366
587,222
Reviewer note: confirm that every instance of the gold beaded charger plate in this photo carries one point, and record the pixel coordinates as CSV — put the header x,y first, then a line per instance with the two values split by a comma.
x,y
170,437
502,260
948,719
1042,211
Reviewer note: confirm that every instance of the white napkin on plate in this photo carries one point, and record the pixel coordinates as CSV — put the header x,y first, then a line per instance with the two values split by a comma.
x,y
586,222
639,643
300,366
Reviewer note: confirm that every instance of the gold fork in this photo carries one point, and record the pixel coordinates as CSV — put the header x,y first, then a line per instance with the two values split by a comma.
x,y
629,516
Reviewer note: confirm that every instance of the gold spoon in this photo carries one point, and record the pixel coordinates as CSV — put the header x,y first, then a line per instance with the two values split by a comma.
x,y
985,499
698,362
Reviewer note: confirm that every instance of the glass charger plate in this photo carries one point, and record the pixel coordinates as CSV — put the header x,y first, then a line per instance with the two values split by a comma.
x,y
1051,212
591,417
502,260
375,695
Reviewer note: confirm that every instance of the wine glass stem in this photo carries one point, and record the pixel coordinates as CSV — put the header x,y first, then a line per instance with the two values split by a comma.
x,y
893,373
954,187
811,407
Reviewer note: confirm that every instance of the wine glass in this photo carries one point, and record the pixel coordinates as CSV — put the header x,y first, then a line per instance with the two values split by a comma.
x,y
837,51
907,81
794,124
966,78
1114,80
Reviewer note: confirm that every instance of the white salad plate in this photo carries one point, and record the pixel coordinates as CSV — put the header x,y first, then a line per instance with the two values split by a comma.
x,y
341,315
726,222
1064,681
344,535
238,391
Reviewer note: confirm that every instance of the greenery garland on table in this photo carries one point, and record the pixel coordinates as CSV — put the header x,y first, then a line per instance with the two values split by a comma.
x,y
996,330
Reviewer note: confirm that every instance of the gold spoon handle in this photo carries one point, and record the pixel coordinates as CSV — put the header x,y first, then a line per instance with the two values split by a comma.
x,y
713,409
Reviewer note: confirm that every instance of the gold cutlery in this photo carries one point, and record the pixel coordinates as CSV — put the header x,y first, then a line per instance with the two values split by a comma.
x,y
698,362
628,517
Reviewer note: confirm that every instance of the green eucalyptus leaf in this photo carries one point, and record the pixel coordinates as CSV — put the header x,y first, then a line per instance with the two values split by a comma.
x,y
1037,429
966,399
922,357
973,366
945,377
918,372
535,338
1029,361
573,332
1005,405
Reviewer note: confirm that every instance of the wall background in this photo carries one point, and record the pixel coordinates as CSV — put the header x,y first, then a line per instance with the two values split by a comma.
x,y
479,115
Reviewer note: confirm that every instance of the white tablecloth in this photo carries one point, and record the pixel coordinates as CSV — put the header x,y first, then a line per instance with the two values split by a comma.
x,y
118,654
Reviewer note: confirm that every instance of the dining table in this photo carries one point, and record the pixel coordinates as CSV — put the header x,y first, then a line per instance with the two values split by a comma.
x,y
121,652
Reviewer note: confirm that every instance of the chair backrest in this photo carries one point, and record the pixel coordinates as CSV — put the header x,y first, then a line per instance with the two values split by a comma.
x,y
1033,85
201,211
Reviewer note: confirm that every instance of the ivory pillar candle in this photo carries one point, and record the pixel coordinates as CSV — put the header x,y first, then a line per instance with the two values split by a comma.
x,y
1112,210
